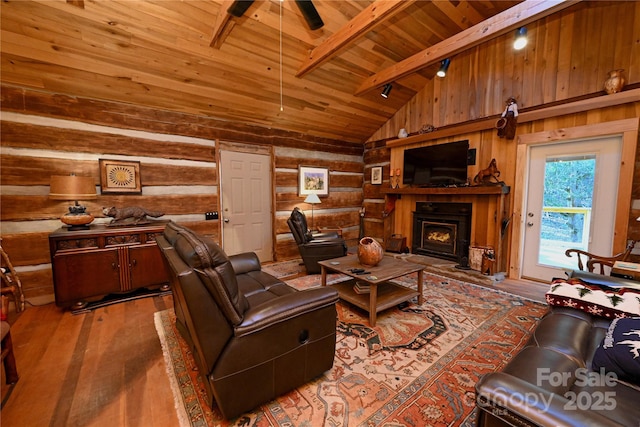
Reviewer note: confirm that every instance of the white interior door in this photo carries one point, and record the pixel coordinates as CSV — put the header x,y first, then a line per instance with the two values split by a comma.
x,y
571,203
246,204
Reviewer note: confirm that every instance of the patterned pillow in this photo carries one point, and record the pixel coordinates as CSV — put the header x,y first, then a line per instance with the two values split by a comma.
x,y
601,301
619,351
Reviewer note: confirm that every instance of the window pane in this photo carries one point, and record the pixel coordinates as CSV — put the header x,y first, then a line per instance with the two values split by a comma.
x,y
566,216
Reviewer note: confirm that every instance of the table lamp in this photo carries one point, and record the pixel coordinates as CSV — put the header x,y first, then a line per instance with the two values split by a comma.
x,y
72,187
312,199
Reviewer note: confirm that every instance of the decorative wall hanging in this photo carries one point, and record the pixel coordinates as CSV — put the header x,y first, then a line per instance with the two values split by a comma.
x,y
313,180
394,178
120,177
376,175
506,124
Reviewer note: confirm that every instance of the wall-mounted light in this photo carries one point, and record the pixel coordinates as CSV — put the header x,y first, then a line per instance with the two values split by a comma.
x,y
444,66
385,91
521,38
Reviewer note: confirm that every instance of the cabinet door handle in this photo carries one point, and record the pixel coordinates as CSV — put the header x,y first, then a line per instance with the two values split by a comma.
x,y
134,262
114,266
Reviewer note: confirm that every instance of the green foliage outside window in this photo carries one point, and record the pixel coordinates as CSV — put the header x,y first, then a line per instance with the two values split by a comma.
x,y
567,183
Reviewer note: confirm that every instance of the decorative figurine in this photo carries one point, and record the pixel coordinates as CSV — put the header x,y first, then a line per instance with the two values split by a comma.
x,y
506,124
136,213
485,175
426,129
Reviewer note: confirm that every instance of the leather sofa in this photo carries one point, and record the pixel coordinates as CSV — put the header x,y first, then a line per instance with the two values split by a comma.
x,y
253,337
550,381
314,246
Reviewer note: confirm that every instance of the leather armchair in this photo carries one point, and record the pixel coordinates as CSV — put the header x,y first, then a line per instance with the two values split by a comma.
x,y
314,247
253,337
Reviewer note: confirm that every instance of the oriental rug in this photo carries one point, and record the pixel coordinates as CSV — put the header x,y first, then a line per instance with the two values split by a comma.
x,y
416,367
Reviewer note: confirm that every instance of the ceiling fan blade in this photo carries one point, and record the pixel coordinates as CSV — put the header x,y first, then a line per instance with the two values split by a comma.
x,y
310,14
239,7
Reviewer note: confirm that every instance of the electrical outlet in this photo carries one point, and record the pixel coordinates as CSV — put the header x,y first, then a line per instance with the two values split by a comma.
x,y
211,215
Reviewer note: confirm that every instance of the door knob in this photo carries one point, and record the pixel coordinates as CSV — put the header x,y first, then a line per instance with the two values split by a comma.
x,y
530,224
530,214
226,220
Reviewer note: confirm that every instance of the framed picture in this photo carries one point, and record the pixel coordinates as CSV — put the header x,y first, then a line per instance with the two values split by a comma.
x,y
120,177
376,175
313,180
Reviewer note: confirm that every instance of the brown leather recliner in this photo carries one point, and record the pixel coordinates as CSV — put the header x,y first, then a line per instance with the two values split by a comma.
x,y
314,247
253,337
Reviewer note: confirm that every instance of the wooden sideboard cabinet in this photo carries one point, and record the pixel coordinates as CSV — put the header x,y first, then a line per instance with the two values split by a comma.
x,y
89,265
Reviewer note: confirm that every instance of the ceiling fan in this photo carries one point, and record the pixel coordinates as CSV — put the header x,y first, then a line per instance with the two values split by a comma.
x,y
309,12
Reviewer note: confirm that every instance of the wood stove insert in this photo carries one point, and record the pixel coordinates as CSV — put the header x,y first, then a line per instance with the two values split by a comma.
x,y
442,230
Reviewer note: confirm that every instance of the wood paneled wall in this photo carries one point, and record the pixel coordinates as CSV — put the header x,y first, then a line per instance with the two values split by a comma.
x,y
568,58
46,134
569,55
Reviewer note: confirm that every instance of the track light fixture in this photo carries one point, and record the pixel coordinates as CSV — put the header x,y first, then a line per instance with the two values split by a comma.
x,y
444,66
521,38
386,90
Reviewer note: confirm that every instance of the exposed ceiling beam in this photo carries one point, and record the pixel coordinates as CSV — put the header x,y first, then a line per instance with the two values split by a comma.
x,y
364,22
222,19
517,16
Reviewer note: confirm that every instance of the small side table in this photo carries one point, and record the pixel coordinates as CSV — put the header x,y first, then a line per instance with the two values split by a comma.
x,y
626,270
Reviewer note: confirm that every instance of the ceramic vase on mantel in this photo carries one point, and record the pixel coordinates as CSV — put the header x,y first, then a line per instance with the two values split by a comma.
x,y
370,252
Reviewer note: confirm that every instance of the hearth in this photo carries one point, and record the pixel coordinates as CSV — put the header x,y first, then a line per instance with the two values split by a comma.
x,y
442,230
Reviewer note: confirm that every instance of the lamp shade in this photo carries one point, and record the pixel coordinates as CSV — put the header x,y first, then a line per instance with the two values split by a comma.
x,y
312,199
72,187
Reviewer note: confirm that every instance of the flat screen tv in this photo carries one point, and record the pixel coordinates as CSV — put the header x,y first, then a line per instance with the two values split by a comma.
x,y
439,165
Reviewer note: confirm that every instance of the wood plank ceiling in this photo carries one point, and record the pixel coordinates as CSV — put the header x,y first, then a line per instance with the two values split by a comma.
x,y
191,56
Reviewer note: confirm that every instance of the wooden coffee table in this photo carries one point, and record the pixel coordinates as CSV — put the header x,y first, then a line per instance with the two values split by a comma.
x,y
383,294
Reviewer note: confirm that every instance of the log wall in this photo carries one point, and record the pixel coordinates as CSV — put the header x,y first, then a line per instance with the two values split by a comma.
x,y
46,134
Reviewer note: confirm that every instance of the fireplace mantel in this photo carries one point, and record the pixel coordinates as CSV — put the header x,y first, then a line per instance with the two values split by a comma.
x,y
489,190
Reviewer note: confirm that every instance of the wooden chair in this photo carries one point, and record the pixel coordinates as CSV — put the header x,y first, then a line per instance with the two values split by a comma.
x,y
592,260
9,280
8,359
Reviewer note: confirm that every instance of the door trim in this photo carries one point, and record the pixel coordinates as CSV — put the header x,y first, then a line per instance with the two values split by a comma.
x,y
627,129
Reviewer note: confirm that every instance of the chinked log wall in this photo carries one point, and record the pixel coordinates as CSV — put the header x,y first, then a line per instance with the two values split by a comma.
x,y
46,134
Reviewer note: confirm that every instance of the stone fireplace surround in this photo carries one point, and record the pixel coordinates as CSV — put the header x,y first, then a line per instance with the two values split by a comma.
x,y
442,230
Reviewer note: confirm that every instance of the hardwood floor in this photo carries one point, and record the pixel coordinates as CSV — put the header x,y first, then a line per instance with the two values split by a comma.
x,y
101,368
105,367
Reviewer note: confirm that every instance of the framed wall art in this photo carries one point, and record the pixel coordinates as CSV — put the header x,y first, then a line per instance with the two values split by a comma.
x,y
376,175
120,177
312,180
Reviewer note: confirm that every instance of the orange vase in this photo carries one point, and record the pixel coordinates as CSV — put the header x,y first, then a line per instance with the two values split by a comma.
x,y
370,252
615,81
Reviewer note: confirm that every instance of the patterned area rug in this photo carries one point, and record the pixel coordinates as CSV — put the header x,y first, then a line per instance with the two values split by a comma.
x,y
417,367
